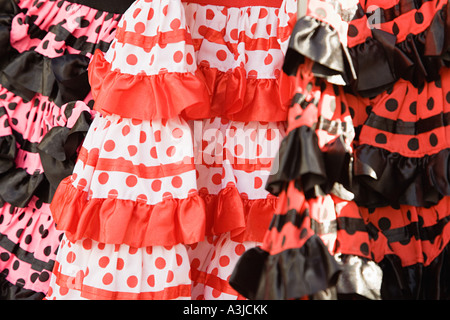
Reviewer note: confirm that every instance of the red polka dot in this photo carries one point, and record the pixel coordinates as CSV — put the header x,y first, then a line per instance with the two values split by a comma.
x,y
132,150
136,12
171,151
178,56
165,10
253,135
87,244
269,29
139,27
141,198
132,250
216,293
209,14
202,30
109,145
101,246
175,24
156,185
189,59
157,135
270,134
221,55
253,74
132,60
103,178
136,122
103,262
234,34
71,257
160,263
259,150
126,130
238,149
179,260
258,182
170,276
217,178
120,264
151,280
142,137
113,194
224,261
153,153
132,281
131,181
107,279
82,183
263,13
152,59
177,133
240,249
63,291
151,13
253,28
268,60
177,182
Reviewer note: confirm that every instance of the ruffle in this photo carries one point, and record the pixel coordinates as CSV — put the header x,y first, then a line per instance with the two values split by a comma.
x,y
380,59
290,274
382,178
62,79
8,9
245,219
319,42
116,221
162,96
314,170
59,148
416,282
106,5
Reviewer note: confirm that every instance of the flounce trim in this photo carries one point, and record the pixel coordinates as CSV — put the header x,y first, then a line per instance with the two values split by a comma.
x,y
59,148
416,282
238,98
162,96
207,93
380,61
383,178
290,274
137,224
320,43
9,291
8,9
245,219
315,171
62,79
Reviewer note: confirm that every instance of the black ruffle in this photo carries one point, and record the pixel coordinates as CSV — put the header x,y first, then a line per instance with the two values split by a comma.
x,y
8,9
9,291
382,178
319,42
62,79
315,171
416,282
117,6
381,61
58,149
290,274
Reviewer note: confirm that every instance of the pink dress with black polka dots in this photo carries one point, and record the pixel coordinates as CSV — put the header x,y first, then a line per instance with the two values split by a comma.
x,y
191,107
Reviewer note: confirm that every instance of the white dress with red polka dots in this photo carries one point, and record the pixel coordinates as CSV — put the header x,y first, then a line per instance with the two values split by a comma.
x,y
168,190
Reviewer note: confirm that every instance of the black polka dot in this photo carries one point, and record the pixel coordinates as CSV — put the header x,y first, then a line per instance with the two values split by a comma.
x,y
364,248
381,138
12,106
369,110
433,140
352,31
47,251
19,233
413,144
430,103
343,108
28,239
44,276
395,28
16,265
413,108
20,282
4,256
408,215
34,277
447,97
418,17
283,241
303,233
404,242
391,105
384,224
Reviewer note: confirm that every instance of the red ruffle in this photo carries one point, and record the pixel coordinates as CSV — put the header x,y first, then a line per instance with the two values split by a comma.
x,y
137,224
209,93
162,96
229,211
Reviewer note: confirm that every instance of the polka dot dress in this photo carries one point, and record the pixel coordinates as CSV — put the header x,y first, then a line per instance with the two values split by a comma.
x,y
45,101
188,125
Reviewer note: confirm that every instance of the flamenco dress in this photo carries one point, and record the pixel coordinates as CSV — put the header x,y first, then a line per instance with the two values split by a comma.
x,y
46,109
317,245
401,169
167,191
